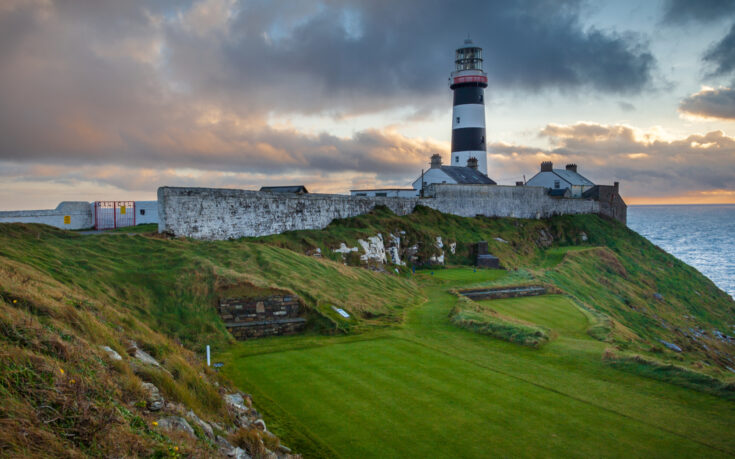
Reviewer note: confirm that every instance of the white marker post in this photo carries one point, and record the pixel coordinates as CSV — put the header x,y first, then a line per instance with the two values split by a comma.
x,y
208,355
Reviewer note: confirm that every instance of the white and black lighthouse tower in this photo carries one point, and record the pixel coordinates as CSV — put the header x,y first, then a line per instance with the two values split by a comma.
x,y
468,81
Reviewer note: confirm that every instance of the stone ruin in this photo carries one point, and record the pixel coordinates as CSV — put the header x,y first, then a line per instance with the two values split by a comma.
x,y
484,259
258,313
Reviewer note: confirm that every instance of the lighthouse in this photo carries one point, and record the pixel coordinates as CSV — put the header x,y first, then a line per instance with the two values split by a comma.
x,y
468,81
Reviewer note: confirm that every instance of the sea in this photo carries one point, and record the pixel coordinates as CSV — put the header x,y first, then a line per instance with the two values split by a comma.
x,y
702,236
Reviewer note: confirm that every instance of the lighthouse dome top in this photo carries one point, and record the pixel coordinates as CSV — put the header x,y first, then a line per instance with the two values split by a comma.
x,y
467,44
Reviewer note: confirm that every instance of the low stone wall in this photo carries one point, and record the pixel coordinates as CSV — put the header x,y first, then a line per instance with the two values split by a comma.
x,y
503,292
71,215
215,214
257,317
211,213
503,201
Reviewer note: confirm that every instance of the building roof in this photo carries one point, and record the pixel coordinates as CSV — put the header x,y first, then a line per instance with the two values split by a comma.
x,y
285,189
573,178
467,175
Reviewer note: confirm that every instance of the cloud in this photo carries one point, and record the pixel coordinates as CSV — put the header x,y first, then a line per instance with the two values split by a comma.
x,y
626,106
722,55
645,162
710,103
678,12
165,84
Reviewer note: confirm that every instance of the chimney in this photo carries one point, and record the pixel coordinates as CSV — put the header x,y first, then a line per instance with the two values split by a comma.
x,y
472,163
572,167
616,187
519,183
546,166
436,161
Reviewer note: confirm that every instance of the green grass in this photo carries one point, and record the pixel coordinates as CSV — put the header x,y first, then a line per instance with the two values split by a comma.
x,y
555,312
431,389
398,379
174,284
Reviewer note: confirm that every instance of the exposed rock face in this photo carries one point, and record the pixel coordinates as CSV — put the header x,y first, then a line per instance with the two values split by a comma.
x,y
134,351
394,249
344,250
176,424
111,353
438,259
208,431
154,400
671,346
374,249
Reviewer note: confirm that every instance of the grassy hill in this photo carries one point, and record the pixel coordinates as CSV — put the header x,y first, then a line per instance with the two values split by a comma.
x,y
603,382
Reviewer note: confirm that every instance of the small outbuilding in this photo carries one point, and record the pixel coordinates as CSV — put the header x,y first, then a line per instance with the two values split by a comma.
x,y
558,179
296,189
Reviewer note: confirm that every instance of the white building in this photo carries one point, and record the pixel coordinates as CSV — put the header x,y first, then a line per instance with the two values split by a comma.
x,y
559,179
465,175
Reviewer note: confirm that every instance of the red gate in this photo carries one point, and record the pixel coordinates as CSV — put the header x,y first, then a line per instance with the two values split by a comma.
x,y
113,214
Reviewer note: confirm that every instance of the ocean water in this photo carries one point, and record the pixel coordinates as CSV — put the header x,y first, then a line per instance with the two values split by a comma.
x,y
702,236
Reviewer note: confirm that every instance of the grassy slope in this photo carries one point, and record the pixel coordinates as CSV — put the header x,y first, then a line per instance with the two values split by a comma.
x,y
174,284
62,396
63,295
103,289
615,272
431,389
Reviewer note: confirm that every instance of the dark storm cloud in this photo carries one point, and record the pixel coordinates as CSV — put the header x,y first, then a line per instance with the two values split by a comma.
x,y
683,11
192,85
721,56
710,103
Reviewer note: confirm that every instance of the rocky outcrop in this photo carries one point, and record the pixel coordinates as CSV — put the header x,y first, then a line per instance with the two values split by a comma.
x,y
154,400
111,353
176,424
378,251
374,250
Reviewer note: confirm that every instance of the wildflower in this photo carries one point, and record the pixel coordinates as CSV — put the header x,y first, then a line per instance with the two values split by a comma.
x,y
155,423
176,448
15,301
61,370
72,381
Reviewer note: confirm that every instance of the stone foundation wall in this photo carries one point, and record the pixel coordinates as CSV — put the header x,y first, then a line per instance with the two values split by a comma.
x,y
503,292
262,316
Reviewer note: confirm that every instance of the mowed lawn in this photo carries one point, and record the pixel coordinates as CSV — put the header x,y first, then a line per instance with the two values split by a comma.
x,y
433,390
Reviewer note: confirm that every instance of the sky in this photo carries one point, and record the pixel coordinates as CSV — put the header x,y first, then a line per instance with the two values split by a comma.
x,y
109,99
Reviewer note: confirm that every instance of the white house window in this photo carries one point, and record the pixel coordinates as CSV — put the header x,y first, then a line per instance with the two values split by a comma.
x,y
556,184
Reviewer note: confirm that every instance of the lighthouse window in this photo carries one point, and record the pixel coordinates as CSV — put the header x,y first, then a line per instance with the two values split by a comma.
x,y
458,120
556,184
481,97
482,139
456,159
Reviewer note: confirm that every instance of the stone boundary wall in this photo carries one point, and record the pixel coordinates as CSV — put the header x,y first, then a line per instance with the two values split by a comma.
x,y
80,216
503,201
212,213
216,214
